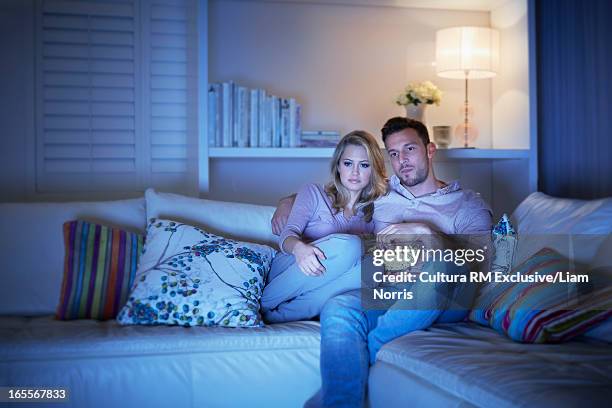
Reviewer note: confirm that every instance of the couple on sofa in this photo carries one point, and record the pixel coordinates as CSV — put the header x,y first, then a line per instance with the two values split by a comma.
x,y
319,269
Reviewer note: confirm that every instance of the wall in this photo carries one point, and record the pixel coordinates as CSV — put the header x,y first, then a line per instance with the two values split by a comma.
x,y
510,88
345,65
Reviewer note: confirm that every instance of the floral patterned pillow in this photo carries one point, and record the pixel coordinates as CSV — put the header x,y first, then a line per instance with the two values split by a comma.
x,y
189,277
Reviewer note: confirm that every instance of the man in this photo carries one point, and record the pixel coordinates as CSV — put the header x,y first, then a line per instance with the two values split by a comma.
x,y
417,204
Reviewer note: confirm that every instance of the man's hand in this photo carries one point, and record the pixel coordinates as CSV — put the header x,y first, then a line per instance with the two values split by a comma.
x,y
308,259
281,214
395,233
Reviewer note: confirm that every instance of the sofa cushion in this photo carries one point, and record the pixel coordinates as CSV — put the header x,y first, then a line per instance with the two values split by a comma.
x,y
41,338
542,220
542,312
247,222
484,368
99,269
189,277
103,363
32,247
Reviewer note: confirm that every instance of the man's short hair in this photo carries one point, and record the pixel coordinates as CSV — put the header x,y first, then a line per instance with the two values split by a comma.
x,y
399,123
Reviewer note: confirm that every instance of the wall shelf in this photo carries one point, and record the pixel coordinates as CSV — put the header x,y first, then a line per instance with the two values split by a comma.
x,y
272,152
326,152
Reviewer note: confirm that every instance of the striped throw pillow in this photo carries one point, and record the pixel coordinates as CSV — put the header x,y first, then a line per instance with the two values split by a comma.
x,y
99,268
547,312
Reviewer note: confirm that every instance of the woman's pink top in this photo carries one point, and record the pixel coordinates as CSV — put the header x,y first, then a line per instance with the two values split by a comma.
x,y
313,217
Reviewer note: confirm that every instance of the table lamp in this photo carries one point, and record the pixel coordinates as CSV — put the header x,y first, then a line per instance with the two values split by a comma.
x,y
467,53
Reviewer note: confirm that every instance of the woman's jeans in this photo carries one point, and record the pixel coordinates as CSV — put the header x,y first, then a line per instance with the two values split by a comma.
x,y
290,295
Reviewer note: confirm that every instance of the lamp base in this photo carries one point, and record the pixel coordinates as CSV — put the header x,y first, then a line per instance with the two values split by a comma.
x,y
466,134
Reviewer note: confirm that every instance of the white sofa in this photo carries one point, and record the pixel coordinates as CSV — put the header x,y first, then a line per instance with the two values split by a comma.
x,y
104,364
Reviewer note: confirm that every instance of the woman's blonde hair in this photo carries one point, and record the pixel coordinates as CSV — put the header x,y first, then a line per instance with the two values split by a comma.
x,y
377,185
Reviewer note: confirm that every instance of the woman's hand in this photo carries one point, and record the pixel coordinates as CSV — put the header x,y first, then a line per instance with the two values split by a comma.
x,y
308,259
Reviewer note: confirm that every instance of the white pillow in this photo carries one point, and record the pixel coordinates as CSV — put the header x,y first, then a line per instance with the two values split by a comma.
x,y
234,220
189,277
545,221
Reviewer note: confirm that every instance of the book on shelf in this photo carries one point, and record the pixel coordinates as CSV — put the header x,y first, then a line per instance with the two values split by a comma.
x,y
284,122
218,115
227,114
253,117
293,138
275,120
241,132
298,125
212,113
319,138
236,116
265,137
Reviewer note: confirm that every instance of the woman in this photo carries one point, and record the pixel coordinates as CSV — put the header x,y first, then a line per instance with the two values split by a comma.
x,y
302,278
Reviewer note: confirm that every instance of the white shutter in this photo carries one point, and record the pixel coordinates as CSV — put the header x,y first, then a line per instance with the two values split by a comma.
x,y
170,69
117,95
87,96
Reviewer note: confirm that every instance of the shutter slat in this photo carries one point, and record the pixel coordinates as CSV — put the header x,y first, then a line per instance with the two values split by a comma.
x,y
168,152
168,82
112,123
66,137
178,110
171,124
170,40
113,109
88,8
168,166
112,80
112,94
159,12
171,138
65,36
110,38
66,80
54,64
168,96
113,165
68,151
113,137
168,68
168,27
67,166
65,22
113,24
66,122
168,55
66,94
66,108
113,151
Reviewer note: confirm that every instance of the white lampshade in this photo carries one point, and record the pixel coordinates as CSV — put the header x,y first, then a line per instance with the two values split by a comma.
x,y
467,51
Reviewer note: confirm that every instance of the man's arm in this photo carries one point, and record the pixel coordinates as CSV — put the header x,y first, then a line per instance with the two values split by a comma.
x,y
281,214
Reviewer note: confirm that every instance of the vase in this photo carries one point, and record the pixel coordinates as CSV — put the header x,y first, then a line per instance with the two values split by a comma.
x,y
416,112
442,136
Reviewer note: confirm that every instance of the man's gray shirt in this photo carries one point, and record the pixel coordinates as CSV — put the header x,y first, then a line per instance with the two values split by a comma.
x,y
450,209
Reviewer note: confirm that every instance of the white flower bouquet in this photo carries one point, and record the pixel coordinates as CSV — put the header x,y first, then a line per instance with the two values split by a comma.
x,y
420,92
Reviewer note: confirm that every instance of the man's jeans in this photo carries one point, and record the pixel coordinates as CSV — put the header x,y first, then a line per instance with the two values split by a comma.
x,y
351,337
